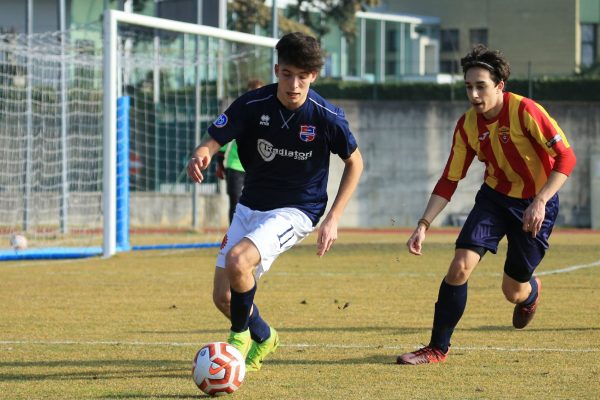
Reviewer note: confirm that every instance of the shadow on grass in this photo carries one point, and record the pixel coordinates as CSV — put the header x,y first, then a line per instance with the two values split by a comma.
x,y
98,369
154,396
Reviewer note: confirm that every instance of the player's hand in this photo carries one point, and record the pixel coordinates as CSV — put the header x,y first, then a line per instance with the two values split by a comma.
x,y
220,171
327,235
533,217
415,242
195,167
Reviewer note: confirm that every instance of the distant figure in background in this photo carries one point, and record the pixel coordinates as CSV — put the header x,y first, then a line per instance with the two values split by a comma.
x,y
229,166
527,159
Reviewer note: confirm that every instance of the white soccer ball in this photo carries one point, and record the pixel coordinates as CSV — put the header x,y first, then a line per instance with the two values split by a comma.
x,y
218,369
18,242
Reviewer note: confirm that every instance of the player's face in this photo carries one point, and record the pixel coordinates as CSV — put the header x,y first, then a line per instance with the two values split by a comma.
x,y
483,93
293,84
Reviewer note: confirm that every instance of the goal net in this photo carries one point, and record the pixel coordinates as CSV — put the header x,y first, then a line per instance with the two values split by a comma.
x,y
97,129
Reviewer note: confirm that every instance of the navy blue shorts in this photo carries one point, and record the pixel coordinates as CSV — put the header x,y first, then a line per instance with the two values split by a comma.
x,y
495,215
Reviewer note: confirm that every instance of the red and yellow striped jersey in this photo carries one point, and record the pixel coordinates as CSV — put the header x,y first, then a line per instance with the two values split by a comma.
x,y
520,147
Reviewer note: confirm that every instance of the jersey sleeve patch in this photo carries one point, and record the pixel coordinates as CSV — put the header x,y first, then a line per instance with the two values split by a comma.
x,y
221,121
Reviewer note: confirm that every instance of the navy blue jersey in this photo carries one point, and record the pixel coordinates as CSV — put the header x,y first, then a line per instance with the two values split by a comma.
x,y
285,153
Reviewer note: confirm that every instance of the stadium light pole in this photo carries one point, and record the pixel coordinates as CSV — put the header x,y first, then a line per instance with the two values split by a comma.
x,y
274,34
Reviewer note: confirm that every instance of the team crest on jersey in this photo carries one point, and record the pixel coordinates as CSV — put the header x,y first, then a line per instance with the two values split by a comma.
x,y
504,134
264,120
307,133
221,121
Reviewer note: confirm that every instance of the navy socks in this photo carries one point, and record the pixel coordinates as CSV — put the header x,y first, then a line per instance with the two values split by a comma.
x,y
534,293
241,319
259,329
449,308
241,304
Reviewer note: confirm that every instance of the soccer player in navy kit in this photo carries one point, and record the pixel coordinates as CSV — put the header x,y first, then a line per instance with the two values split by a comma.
x,y
285,134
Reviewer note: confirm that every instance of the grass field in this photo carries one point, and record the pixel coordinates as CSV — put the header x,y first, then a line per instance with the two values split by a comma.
x,y
128,327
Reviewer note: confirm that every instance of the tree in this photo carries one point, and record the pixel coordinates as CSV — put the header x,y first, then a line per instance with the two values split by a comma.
x,y
249,13
308,16
313,13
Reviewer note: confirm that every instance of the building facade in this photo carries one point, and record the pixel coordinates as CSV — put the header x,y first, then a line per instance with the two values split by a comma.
x,y
388,46
399,40
540,37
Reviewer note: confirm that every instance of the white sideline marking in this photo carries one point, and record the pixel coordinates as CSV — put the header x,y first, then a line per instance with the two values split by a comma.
x,y
350,346
569,269
417,274
291,345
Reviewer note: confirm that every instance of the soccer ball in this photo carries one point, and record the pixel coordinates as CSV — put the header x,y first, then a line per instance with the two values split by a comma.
x,y
218,369
18,242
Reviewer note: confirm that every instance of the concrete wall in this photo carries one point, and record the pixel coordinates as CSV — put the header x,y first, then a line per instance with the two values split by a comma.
x,y
405,146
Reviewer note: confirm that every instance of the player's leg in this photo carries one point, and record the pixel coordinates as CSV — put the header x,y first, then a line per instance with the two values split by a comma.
x,y
525,296
449,308
277,232
259,330
452,296
519,285
523,256
481,232
221,291
240,262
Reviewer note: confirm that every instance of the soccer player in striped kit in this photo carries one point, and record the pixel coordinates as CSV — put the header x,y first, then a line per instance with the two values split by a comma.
x,y
528,159
286,133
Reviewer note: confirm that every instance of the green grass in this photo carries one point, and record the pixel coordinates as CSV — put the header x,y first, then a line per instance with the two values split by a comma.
x,y
128,327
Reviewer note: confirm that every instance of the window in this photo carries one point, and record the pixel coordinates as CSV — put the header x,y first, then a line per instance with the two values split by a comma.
x,y
178,10
449,39
588,44
478,36
449,67
391,42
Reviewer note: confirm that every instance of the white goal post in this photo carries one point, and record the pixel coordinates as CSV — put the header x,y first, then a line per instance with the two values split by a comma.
x,y
112,19
98,123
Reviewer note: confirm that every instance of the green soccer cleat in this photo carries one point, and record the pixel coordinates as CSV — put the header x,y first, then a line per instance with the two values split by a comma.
x,y
259,351
241,341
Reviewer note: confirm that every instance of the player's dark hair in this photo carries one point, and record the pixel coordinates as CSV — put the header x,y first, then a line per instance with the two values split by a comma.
x,y
301,51
492,60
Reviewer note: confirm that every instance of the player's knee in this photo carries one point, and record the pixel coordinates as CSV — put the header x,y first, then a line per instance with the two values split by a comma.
x,y
458,273
236,264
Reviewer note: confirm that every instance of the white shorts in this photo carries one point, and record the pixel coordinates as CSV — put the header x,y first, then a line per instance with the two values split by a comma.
x,y
272,232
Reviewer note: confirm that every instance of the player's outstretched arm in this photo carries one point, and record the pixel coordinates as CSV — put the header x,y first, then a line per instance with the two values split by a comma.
x,y
201,158
328,231
435,205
